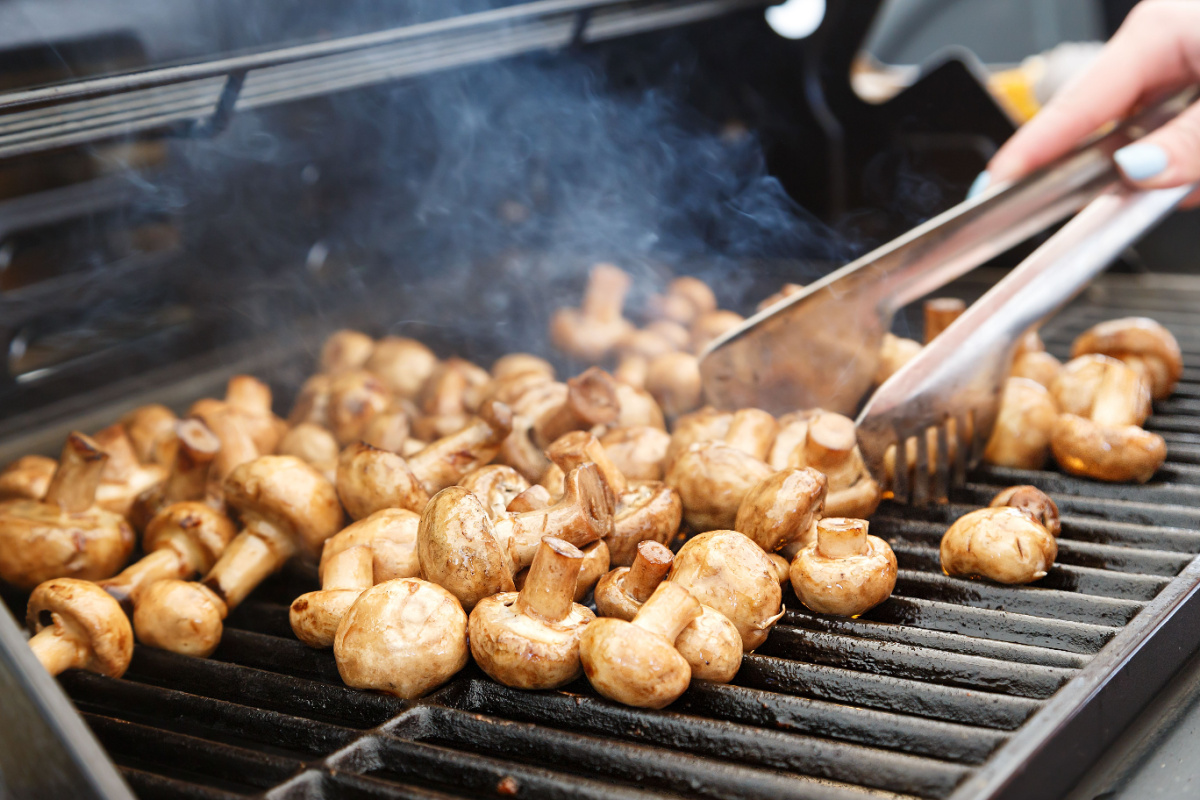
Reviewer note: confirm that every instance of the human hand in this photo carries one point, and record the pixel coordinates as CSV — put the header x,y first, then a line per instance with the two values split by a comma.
x,y
1155,52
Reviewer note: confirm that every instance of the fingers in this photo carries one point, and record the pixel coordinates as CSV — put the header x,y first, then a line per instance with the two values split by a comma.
x,y
1168,157
1156,50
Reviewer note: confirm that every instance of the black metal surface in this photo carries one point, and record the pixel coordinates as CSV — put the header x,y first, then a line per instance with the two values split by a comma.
x,y
950,689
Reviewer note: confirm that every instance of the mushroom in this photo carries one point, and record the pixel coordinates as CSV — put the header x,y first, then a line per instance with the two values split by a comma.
x,y
940,312
76,625
894,353
703,425
782,566
636,662
730,573
845,571
389,429
249,401
592,331
685,299
712,646
513,364
1021,435
402,364
65,534
831,447
638,451
196,447
237,448
596,561
286,507
782,507
312,402
622,592
370,479
530,395
785,292
530,639
454,392
637,407
496,486
151,428
750,430
356,398
404,637
1030,342
674,381
534,498
712,479
462,550
124,478
1003,543
1077,389
712,325
644,510
1038,366
315,616
28,478
391,535
792,433
591,400
1143,344
1034,502
636,350
313,443
182,540
345,350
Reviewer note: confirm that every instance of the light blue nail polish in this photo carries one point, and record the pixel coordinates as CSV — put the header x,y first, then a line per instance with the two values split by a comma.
x,y
979,184
1141,161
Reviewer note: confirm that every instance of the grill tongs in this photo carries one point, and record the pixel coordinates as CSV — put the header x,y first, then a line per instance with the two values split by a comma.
x,y
819,348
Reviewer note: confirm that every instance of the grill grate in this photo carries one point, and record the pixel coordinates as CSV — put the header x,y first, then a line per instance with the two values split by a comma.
x,y
950,686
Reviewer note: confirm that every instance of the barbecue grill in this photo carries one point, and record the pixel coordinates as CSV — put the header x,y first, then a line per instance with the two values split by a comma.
x,y
950,689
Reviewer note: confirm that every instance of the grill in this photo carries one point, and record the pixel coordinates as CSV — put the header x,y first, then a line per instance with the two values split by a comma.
x,y
950,689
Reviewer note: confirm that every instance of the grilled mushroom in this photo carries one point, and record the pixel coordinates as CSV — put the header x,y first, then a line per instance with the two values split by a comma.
x,y
845,571
591,400
496,486
940,312
593,330
674,381
730,573
636,662
66,534
1004,544
1143,344
286,507
402,364
315,616
391,534
196,447
28,478
530,639
124,478
404,637
151,428
1038,366
1034,502
712,646
345,350
310,442
685,299
712,479
356,398
782,507
637,451
831,447
622,592
637,407
77,625
390,429
894,353
1077,389
636,350
248,400
454,392
1021,435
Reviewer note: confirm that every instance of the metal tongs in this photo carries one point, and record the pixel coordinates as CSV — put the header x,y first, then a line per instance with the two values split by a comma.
x,y
820,347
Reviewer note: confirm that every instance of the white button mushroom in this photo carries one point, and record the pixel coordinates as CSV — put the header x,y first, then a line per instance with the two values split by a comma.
x,y
1003,543
845,571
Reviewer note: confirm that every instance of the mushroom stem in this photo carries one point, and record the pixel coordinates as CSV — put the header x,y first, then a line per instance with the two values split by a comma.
x,y
1120,394
577,448
650,567
583,515
591,400
549,591
162,564
58,650
535,498
668,611
830,441
73,487
444,462
248,394
839,537
198,447
237,446
939,313
604,298
246,563
353,568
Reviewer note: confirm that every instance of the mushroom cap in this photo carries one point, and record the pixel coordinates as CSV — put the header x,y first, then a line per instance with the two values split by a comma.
x,y
182,617
313,443
85,608
729,572
703,425
39,541
521,363
611,598
638,407
1004,544
782,566
847,586
638,451
389,430
782,507
391,533
1142,343
458,550
523,651
712,646
345,350
1076,388
632,665
698,293
673,379
596,561
1034,502
150,428
712,479
404,637
1118,455
495,485
648,510
587,338
207,531
1038,366
315,616
27,478
288,494
370,479
402,364
312,402
355,399
1021,435
790,437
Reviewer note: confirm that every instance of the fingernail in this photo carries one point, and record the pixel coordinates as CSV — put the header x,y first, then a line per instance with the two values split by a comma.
x,y
1141,161
979,184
